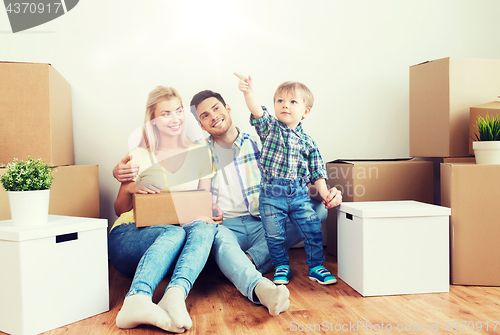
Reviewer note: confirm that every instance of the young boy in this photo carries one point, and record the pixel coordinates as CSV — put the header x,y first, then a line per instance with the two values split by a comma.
x,y
289,161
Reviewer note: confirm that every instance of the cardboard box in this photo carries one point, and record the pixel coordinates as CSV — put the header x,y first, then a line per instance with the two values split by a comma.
x,y
394,247
35,114
53,274
441,93
377,180
74,192
171,207
472,192
491,108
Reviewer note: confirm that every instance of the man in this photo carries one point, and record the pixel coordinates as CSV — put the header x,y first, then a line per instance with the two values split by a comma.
x,y
240,248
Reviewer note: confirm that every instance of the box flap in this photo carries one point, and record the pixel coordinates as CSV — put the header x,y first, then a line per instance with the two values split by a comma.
x,y
57,225
392,209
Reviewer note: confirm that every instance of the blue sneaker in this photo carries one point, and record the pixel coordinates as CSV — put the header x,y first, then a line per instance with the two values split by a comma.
x,y
282,274
321,275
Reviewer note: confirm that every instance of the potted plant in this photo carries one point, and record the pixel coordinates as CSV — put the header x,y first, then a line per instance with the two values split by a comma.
x,y
28,186
487,144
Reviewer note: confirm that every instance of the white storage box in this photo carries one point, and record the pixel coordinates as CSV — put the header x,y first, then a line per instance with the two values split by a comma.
x,y
393,247
52,275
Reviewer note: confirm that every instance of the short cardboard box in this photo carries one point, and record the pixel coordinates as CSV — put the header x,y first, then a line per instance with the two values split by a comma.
x,y
74,192
171,207
491,108
377,180
441,93
52,274
472,192
394,247
35,114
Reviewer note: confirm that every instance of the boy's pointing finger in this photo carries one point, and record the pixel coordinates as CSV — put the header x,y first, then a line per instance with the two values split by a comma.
x,y
242,77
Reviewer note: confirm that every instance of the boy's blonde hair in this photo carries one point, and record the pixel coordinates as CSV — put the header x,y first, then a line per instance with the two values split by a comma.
x,y
150,134
291,87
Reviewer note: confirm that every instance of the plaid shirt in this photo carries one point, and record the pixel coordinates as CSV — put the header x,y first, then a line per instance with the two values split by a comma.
x,y
287,153
247,151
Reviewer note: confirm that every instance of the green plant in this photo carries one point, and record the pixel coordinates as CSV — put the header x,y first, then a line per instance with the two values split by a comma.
x,y
488,128
30,175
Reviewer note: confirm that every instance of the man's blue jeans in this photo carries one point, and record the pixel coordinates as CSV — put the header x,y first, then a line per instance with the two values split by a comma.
x,y
281,198
147,253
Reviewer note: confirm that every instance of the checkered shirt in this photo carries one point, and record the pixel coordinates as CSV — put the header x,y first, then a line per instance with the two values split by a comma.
x,y
287,153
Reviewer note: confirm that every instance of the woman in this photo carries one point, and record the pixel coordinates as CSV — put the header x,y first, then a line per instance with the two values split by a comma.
x,y
166,159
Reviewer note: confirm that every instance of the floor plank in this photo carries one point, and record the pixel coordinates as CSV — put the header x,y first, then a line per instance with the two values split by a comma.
x,y
216,307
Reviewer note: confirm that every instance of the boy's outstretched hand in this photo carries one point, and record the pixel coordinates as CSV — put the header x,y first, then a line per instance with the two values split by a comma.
x,y
245,84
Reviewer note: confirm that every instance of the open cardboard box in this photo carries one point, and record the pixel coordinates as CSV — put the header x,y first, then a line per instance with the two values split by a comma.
x,y
441,94
35,114
378,180
171,207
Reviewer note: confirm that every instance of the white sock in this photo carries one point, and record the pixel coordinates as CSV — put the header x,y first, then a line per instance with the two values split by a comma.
x,y
173,302
139,309
275,298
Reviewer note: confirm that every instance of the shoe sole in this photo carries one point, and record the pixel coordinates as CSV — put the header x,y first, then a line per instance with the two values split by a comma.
x,y
332,281
281,281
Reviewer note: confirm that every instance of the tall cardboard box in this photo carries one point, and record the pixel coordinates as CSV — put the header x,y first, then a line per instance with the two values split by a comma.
x,y
472,192
377,180
35,114
74,192
491,108
441,93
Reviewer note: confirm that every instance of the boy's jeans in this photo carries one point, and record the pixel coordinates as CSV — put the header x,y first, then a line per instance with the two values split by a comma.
x,y
280,198
148,253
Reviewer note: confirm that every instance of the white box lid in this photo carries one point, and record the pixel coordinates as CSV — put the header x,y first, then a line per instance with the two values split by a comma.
x,y
56,225
392,209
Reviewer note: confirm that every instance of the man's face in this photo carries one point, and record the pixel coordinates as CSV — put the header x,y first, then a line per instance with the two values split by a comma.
x,y
215,118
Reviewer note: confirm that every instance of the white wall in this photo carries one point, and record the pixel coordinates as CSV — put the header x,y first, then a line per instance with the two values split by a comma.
x,y
354,55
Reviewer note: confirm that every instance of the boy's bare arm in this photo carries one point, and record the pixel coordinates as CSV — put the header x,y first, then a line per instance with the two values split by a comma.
x,y
245,86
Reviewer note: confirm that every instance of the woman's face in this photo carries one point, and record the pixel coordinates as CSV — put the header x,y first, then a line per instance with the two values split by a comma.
x,y
169,117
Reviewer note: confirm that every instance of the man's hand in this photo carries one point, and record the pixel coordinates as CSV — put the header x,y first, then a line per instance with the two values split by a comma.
x,y
333,198
217,214
125,172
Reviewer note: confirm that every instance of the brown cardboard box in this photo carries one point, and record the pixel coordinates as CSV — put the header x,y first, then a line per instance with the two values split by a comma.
x,y
441,93
35,114
171,207
377,180
74,192
491,108
472,192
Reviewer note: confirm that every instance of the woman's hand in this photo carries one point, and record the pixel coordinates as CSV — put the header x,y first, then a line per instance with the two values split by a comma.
x,y
145,186
125,172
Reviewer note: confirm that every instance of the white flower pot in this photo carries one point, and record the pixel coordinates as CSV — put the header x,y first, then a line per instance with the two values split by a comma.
x,y
29,208
487,152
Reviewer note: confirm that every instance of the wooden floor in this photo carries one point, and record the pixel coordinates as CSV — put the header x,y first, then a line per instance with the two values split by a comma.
x,y
216,307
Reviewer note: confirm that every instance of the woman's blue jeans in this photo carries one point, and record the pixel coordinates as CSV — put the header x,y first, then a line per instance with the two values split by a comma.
x,y
147,253
281,198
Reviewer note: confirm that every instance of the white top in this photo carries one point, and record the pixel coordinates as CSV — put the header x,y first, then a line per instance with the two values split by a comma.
x,y
404,208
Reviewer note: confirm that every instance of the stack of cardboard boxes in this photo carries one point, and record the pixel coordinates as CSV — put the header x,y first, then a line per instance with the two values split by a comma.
x,y
36,120
446,95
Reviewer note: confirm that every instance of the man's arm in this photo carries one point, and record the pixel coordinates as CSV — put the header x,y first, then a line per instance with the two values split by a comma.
x,y
245,86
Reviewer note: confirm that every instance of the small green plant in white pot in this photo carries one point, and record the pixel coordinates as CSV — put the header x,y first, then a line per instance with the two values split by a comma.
x,y
28,186
487,144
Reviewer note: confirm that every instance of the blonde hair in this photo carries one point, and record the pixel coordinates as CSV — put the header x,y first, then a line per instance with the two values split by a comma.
x,y
291,87
150,134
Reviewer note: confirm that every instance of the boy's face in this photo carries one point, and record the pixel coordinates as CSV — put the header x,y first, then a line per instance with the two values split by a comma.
x,y
215,118
290,108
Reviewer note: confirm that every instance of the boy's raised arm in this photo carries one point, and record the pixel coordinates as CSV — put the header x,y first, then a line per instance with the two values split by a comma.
x,y
245,86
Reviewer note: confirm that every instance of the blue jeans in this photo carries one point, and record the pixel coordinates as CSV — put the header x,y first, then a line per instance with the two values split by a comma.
x,y
147,253
281,198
